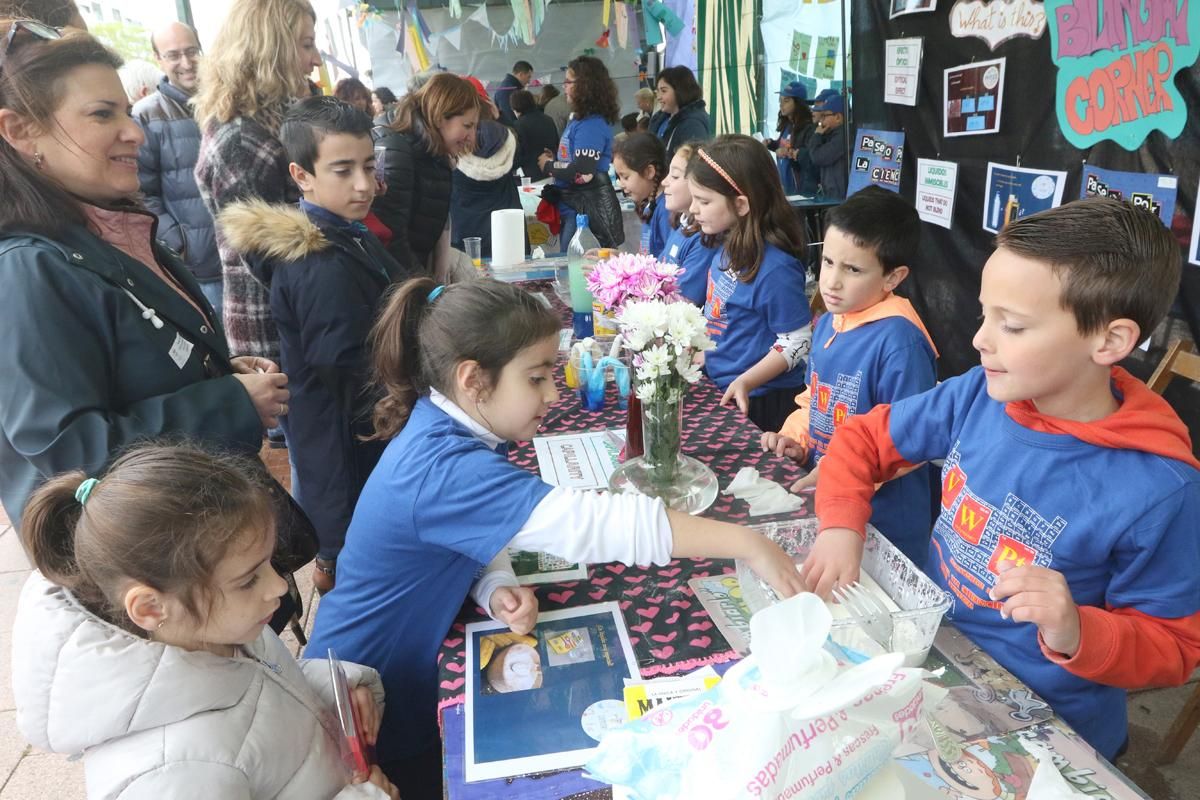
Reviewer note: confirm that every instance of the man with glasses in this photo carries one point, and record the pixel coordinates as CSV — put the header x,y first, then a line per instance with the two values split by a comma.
x,y
828,145
167,160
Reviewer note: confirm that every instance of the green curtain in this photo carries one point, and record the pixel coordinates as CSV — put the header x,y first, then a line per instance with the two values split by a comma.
x,y
728,44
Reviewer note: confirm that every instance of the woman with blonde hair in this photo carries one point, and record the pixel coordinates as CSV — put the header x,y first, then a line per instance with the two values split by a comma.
x,y
257,68
432,128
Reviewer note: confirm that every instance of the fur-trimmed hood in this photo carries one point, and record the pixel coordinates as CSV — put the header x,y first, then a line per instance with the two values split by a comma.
x,y
492,160
267,234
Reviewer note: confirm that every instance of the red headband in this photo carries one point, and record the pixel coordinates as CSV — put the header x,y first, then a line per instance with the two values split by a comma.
x,y
709,160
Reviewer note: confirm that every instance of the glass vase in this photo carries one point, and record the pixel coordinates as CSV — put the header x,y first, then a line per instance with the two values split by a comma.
x,y
662,471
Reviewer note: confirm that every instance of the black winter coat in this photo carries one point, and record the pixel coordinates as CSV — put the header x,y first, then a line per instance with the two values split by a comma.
x,y
325,285
536,133
85,374
689,124
416,206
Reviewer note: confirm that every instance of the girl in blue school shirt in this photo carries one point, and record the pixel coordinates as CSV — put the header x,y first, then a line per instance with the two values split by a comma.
x,y
755,302
640,162
585,150
685,245
464,371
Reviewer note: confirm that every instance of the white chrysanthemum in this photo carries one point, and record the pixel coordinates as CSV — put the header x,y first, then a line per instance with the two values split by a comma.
x,y
645,391
658,356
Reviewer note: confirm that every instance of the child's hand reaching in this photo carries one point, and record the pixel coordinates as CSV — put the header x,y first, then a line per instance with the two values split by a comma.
x,y
738,394
784,446
833,561
1041,596
775,567
367,712
516,607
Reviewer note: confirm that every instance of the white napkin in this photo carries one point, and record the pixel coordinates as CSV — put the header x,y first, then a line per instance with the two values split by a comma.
x,y
1048,783
538,254
764,496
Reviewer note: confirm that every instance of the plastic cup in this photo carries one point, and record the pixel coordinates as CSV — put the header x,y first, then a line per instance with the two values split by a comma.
x,y
474,249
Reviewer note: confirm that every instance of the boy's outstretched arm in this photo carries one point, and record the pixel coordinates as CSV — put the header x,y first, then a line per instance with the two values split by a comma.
x,y
1124,647
860,456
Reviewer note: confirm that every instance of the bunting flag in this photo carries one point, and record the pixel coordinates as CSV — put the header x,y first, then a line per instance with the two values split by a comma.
x,y
415,13
523,21
401,36
455,8
622,24
602,42
480,15
607,13
539,15
417,53
727,53
453,36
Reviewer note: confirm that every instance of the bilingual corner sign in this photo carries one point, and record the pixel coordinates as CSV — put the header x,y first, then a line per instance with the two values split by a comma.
x,y
1117,61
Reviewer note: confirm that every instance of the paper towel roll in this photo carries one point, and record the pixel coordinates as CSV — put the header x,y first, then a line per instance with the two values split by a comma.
x,y
508,237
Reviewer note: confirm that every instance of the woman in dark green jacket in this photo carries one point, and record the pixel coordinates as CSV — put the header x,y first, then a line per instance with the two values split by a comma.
x,y
107,338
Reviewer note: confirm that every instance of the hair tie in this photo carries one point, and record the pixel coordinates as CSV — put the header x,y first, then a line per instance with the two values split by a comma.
x,y
709,160
85,490
436,293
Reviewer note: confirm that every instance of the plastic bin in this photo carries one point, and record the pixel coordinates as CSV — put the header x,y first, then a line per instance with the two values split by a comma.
x,y
922,602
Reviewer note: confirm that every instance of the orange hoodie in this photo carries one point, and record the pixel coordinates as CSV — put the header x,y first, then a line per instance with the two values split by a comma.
x,y
796,425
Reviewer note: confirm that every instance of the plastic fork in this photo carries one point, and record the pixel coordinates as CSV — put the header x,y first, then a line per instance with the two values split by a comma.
x,y
867,612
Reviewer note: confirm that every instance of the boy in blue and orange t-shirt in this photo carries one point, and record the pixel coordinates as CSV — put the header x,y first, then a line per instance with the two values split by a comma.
x,y
1067,535
871,348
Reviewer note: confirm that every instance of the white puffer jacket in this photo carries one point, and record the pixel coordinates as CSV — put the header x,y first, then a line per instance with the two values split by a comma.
x,y
157,721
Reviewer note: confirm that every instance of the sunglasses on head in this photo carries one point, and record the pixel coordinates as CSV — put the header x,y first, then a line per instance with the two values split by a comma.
x,y
38,29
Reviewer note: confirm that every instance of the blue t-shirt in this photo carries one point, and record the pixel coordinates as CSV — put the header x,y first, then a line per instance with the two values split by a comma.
x,y
689,253
589,137
787,175
438,507
1120,525
656,231
851,373
745,319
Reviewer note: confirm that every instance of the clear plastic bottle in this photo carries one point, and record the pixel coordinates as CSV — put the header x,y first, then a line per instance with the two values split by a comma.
x,y
581,298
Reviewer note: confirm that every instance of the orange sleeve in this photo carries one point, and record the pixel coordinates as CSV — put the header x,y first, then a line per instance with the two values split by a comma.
x,y
860,456
795,427
1125,648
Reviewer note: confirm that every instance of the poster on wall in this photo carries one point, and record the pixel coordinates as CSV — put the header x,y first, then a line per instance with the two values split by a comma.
x,y
826,64
1155,193
1116,72
973,93
937,182
1194,250
801,47
900,7
542,701
902,71
1015,192
878,158
997,21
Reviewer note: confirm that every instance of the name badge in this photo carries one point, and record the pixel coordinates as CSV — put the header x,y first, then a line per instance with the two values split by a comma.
x,y
675,251
180,351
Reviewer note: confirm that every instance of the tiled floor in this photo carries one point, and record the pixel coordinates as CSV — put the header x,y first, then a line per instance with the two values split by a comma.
x,y
26,774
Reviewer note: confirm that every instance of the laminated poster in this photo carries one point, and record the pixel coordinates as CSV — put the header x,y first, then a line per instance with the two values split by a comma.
x,y
973,95
1015,192
900,7
878,158
721,596
902,71
1002,767
531,568
541,702
579,460
801,47
1155,193
936,185
825,65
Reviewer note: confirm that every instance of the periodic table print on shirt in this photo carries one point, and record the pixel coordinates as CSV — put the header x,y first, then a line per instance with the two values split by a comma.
x,y
831,405
720,288
981,536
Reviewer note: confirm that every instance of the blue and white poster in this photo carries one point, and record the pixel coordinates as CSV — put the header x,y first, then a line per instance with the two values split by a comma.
x,y
878,156
1015,192
541,702
1152,192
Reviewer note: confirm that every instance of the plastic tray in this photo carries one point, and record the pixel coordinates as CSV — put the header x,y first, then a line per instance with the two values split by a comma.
x,y
922,602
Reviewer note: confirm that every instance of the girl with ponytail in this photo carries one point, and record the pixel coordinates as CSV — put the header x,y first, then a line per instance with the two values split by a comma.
x,y
641,166
464,370
147,616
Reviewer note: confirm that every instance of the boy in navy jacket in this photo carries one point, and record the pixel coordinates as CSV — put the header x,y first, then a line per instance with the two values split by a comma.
x,y
326,274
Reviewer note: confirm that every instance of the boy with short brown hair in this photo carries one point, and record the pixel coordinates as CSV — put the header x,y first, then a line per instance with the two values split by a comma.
x,y
1069,493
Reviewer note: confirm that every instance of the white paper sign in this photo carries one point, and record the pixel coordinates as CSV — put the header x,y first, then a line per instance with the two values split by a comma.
x,y
579,460
936,182
902,70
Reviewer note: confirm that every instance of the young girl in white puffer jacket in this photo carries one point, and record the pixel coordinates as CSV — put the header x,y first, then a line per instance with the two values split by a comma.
x,y
142,640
